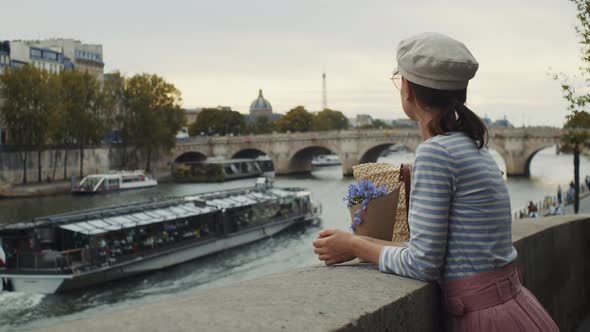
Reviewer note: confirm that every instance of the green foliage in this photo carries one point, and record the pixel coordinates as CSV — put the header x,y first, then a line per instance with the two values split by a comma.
x,y
578,120
376,124
154,115
577,102
26,109
113,101
261,125
577,136
198,172
329,120
82,107
211,121
380,124
296,120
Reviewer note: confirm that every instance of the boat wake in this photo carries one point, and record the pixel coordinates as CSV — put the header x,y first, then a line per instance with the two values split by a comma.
x,y
16,307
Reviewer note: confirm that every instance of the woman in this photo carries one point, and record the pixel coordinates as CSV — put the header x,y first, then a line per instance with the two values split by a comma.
x,y
459,217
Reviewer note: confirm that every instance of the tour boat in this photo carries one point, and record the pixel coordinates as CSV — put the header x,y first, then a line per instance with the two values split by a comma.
x,y
115,181
219,170
75,250
325,160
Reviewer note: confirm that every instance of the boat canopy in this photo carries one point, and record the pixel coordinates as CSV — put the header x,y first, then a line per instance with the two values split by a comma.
x,y
109,224
248,199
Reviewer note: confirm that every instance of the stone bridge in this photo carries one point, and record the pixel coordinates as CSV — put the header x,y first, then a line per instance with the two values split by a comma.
x,y
292,152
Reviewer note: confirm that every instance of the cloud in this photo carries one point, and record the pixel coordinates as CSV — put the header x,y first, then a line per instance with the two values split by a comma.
x,y
222,52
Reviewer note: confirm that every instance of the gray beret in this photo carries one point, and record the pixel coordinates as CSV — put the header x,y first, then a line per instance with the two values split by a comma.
x,y
436,61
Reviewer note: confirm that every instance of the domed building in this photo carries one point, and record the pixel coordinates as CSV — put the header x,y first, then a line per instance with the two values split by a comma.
x,y
260,107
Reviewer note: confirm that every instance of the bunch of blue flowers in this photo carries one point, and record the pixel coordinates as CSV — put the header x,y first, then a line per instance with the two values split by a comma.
x,y
362,193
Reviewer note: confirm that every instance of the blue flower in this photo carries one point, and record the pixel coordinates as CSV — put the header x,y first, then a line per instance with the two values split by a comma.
x,y
362,193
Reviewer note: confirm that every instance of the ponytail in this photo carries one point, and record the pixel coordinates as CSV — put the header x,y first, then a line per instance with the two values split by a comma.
x,y
455,117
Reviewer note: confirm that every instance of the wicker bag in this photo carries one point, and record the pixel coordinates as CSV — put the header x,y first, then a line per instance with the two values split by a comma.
x,y
393,178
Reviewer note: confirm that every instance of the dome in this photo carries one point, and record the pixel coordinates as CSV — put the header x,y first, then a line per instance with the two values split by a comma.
x,y
260,105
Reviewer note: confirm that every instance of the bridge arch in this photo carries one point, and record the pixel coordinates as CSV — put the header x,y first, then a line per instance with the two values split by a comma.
x,y
188,157
249,153
531,156
373,153
300,161
518,163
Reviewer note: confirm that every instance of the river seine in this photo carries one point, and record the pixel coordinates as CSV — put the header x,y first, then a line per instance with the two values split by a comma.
x,y
285,251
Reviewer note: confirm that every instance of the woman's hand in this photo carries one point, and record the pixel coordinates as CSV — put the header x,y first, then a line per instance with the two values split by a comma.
x,y
334,246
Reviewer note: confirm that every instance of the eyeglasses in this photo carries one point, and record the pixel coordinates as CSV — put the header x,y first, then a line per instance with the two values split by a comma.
x,y
397,80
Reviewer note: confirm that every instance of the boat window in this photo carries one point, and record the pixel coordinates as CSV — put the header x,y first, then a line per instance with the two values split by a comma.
x,y
91,182
128,179
113,183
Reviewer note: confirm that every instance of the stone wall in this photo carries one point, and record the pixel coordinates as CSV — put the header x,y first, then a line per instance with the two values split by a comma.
x,y
554,254
52,161
96,160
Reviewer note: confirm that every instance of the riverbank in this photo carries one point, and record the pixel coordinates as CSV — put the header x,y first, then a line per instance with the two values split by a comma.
x,y
35,190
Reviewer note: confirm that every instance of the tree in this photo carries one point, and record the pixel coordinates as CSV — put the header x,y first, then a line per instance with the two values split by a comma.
x,y
113,101
575,140
577,125
154,114
83,122
329,120
212,121
115,110
262,125
296,120
380,124
26,110
59,133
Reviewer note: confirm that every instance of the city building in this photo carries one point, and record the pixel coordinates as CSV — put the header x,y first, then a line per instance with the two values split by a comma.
x,y
44,58
191,115
4,55
362,120
82,57
503,123
55,55
260,107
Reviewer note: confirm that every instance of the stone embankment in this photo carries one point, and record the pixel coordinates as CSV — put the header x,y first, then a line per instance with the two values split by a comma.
x,y
554,256
35,190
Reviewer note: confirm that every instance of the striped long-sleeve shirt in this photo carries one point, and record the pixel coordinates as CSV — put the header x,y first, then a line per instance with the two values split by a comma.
x,y
459,217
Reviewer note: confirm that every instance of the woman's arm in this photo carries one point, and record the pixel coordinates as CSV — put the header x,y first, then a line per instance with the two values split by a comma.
x,y
383,242
335,246
430,202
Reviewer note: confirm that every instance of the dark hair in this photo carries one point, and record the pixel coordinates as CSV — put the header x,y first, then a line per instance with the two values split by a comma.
x,y
455,117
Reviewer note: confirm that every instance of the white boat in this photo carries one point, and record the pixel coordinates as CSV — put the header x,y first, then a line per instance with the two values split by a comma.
x,y
325,160
100,183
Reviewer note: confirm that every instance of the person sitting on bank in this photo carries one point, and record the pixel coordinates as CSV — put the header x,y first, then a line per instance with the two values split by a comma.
x,y
456,191
532,210
557,209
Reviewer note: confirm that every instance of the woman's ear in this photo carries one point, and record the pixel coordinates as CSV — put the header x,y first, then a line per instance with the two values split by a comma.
x,y
407,93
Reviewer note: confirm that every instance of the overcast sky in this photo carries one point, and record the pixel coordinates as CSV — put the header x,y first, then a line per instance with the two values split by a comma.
x,y
221,52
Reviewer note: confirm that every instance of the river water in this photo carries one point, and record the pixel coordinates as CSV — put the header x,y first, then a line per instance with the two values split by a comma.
x,y
285,251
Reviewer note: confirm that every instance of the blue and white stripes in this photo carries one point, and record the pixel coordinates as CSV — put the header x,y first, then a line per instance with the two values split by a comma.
x,y
460,219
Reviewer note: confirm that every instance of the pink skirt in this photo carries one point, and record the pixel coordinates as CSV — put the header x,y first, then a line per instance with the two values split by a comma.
x,y
494,301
